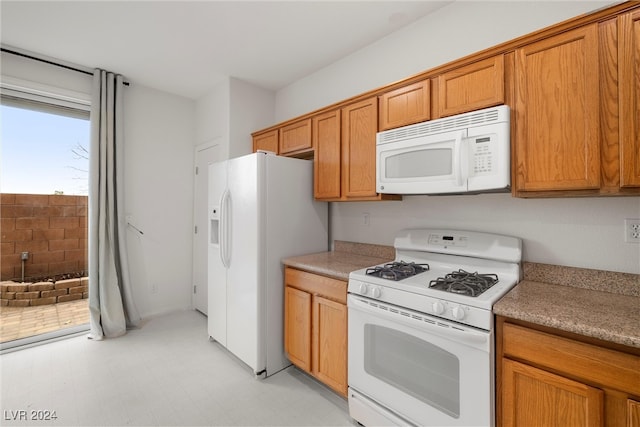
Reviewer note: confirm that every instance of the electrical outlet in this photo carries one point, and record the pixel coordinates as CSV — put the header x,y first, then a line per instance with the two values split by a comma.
x,y
632,230
366,219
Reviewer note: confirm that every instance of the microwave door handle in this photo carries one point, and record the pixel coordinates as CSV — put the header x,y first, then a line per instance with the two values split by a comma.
x,y
464,160
458,159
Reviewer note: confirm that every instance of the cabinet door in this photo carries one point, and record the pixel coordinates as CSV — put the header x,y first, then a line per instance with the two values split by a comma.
x,y
404,106
475,86
326,161
534,397
330,343
557,113
295,137
629,90
267,141
359,127
633,413
297,327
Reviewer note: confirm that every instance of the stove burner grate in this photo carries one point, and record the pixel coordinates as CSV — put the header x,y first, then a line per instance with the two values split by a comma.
x,y
464,283
397,270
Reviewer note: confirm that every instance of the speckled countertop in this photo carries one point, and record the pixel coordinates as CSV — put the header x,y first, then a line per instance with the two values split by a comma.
x,y
594,303
598,304
345,258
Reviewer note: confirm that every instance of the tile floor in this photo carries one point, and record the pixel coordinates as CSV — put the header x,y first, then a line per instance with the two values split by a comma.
x,y
21,322
165,373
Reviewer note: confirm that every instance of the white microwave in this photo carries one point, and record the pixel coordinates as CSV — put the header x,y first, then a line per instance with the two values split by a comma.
x,y
467,152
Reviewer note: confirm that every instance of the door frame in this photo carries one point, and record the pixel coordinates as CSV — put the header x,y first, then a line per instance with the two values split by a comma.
x,y
197,152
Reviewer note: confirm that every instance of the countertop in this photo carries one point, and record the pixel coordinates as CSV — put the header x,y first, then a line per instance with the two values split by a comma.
x,y
345,258
602,305
598,304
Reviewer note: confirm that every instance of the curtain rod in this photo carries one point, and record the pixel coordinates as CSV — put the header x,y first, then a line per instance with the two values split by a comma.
x,y
57,64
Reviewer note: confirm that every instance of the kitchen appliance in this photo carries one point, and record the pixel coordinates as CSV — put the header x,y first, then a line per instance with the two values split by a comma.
x,y
467,152
261,209
421,340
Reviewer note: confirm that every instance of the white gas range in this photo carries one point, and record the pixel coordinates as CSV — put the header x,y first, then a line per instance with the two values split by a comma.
x,y
421,328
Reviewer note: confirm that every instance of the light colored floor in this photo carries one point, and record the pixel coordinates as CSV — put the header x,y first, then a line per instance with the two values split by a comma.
x,y
165,373
21,322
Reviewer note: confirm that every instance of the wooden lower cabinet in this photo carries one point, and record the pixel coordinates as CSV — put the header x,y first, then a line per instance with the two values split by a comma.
x,y
549,379
535,397
315,326
297,326
329,338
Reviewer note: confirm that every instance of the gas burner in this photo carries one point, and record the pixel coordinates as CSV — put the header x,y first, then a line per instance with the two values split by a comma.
x,y
464,283
397,270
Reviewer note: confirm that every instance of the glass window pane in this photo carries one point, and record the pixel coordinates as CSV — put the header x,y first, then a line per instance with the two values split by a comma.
x,y
43,152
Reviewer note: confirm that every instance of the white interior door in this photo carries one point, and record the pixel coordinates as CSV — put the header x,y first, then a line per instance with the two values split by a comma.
x,y
204,155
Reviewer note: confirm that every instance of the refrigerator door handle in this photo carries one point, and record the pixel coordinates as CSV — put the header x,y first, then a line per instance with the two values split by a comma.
x,y
224,225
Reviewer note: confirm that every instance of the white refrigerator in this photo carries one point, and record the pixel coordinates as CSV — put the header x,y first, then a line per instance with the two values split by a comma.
x,y
261,209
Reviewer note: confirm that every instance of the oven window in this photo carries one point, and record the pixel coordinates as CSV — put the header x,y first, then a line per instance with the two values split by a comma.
x,y
420,163
414,366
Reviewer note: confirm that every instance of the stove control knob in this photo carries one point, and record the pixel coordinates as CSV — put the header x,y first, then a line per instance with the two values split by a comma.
x,y
458,312
363,288
376,292
438,307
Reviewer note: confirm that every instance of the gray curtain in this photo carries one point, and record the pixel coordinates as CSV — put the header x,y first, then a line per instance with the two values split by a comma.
x,y
111,304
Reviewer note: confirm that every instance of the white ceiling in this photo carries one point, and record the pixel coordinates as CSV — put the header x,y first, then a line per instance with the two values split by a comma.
x,y
187,47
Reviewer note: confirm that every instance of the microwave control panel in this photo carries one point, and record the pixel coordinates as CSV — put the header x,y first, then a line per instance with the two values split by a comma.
x,y
482,154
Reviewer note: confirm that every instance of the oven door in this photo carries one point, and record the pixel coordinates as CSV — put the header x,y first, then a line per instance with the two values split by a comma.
x,y
426,370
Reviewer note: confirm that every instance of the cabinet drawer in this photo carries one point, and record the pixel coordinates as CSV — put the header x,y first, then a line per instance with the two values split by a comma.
x,y
327,287
596,365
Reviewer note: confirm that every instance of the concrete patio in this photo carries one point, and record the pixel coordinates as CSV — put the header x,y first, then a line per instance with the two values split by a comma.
x,y
21,322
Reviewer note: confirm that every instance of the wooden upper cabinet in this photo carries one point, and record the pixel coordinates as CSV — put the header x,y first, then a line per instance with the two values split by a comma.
x,y
629,90
404,106
295,137
326,160
557,103
472,87
359,128
267,141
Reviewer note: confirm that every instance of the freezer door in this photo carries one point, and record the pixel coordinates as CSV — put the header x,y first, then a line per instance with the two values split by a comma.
x,y
216,271
244,245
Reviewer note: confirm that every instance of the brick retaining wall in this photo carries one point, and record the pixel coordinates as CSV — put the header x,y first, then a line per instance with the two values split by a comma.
x,y
42,293
52,228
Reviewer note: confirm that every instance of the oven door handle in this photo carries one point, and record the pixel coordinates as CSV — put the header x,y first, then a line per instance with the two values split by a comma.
x,y
422,322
